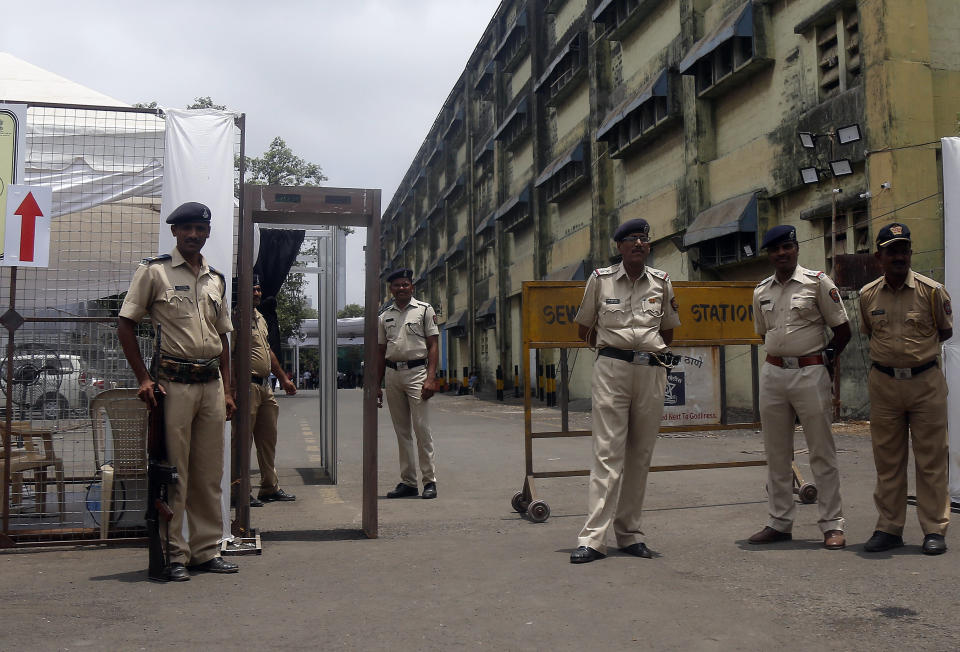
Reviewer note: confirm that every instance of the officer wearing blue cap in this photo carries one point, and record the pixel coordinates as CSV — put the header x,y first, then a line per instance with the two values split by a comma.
x,y
792,310
408,339
907,316
185,297
628,312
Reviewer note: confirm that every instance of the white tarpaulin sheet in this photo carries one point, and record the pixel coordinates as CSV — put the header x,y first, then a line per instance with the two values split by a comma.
x,y
198,166
951,278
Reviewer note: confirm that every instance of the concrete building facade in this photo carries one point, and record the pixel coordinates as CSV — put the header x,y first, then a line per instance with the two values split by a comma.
x,y
572,116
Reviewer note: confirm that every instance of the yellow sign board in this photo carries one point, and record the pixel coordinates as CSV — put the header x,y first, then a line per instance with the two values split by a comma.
x,y
710,313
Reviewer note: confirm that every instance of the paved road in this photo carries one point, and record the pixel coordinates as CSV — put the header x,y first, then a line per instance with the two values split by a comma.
x,y
465,572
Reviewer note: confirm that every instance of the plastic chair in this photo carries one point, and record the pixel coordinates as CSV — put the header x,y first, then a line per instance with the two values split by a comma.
x,y
37,455
122,415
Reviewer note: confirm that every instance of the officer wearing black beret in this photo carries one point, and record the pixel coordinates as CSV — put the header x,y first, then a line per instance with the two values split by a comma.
x,y
792,310
185,297
408,339
907,316
628,312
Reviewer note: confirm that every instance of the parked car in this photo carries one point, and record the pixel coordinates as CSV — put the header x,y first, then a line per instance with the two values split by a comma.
x,y
51,386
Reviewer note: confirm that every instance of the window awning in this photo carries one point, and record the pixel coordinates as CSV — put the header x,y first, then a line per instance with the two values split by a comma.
x,y
520,22
573,45
487,223
460,247
456,320
656,87
454,121
436,264
421,175
574,154
602,8
738,23
575,272
517,112
454,187
522,198
487,308
730,216
437,151
485,150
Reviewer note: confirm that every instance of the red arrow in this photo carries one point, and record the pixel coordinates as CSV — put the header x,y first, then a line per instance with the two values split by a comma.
x,y
29,211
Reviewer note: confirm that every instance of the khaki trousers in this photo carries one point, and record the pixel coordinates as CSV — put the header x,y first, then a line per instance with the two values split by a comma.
x,y
264,412
904,411
627,408
408,409
194,418
784,395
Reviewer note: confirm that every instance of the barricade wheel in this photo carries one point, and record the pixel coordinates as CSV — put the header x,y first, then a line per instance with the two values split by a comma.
x,y
808,494
518,503
538,511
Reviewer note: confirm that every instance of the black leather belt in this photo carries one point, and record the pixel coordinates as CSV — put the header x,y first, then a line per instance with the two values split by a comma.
x,y
258,380
639,357
905,372
406,364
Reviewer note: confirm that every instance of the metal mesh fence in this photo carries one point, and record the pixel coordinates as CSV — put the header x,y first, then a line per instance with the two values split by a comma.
x,y
77,441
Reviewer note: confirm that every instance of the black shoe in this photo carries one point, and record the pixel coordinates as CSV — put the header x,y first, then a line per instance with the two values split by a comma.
x,y
215,565
177,572
881,541
429,490
402,491
585,554
277,496
255,502
638,550
934,544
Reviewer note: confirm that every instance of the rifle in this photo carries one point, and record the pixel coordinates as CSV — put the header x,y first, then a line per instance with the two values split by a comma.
x,y
160,476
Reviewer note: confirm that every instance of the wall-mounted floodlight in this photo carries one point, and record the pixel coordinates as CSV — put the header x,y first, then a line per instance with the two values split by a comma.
x,y
809,175
849,134
841,167
807,139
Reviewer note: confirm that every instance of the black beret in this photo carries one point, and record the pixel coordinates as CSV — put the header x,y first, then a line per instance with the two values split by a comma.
x,y
638,225
192,211
892,233
403,272
778,234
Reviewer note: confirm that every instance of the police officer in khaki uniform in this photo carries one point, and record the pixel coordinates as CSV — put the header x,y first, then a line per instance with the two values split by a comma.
x,y
408,337
185,297
792,310
906,317
264,410
629,313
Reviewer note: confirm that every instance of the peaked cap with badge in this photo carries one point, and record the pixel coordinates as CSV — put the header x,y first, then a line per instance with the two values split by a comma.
x,y
891,233
638,225
191,211
778,234
403,272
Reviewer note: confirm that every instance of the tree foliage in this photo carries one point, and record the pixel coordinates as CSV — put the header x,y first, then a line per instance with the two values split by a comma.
x,y
206,103
293,308
350,310
279,166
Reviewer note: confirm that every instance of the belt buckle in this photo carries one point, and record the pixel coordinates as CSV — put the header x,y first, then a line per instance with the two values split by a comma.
x,y
641,357
790,363
401,365
902,373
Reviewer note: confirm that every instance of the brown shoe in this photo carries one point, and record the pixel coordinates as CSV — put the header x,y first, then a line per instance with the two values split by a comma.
x,y
834,540
769,535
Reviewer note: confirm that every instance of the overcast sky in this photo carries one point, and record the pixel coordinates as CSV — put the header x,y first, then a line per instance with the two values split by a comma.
x,y
352,85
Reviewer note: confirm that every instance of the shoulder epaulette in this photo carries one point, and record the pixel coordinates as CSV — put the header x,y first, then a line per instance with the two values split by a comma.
x,y
218,273
603,271
659,273
156,259
871,284
926,280
765,281
814,273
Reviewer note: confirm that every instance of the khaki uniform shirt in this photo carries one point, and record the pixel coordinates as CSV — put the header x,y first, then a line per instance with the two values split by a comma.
x,y
405,331
259,346
793,316
904,324
189,308
627,314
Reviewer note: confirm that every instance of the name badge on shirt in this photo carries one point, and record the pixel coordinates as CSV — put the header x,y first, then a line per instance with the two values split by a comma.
x,y
612,301
181,288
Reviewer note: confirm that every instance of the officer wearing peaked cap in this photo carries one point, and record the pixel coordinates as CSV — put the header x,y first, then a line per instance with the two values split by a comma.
x,y
906,316
792,311
628,312
408,339
184,296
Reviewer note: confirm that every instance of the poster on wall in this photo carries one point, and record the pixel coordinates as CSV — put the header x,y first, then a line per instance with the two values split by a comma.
x,y
692,395
13,153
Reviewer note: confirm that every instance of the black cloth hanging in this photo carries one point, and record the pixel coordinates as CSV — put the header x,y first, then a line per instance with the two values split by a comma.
x,y
278,251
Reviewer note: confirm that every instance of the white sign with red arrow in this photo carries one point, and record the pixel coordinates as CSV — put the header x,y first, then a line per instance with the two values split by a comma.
x,y
27,236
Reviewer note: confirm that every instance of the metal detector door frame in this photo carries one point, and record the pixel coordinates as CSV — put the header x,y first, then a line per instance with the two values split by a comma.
x,y
308,207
